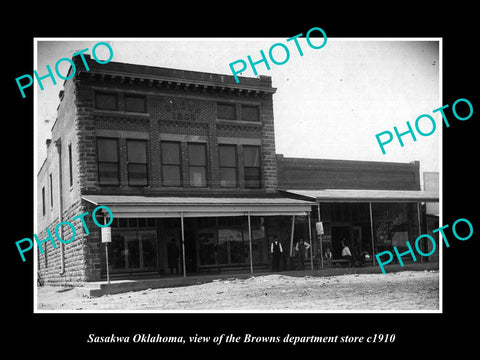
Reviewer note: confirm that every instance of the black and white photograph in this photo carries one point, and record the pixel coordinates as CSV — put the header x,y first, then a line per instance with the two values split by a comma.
x,y
246,195
307,186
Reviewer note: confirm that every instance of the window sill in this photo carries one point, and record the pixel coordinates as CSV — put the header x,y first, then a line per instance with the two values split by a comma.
x,y
244,122
120,112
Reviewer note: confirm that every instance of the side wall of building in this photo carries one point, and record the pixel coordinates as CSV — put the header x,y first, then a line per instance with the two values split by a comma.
x,y
58,184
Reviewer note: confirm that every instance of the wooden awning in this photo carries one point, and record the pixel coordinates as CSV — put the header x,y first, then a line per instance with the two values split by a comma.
x,y
354,195
124,206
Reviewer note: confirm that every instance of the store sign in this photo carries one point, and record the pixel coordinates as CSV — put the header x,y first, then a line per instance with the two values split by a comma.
x,y
106,234
319,227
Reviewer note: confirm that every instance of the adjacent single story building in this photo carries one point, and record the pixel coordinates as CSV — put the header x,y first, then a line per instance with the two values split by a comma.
x,y
368,206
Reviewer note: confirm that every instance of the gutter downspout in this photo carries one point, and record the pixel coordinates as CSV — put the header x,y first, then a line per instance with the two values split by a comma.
x,y
58,144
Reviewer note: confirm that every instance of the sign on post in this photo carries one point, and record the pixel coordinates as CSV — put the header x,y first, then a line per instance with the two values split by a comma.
x,y
106,234
107,238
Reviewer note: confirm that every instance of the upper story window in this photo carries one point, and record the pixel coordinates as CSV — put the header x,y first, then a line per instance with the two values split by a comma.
x,y
50,178
246,112
251,164
228,165
134,103
197,164
250,113
171,163
226,111
70,165
43,200
107,157
137,163
106,101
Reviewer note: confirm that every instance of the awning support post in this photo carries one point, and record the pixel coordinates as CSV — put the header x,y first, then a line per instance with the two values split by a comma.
x,y
310,239
291,235
320,238
250,243
419,225
183,246
371,231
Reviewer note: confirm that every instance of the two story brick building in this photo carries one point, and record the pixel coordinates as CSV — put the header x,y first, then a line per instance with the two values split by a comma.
x,y
183,159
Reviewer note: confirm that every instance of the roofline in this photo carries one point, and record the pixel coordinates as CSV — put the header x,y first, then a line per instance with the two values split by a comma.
x,y
195,82
428,196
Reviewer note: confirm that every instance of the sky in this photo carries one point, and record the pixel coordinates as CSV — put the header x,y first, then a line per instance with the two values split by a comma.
x,y
329,104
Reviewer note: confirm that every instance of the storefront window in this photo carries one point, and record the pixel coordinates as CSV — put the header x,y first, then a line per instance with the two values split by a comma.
x,y
349,223
394,224
259,244
133,248
225,241
207,239
231,242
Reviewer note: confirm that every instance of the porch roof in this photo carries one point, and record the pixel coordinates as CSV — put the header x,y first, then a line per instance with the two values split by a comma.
x,y
166,207
360,195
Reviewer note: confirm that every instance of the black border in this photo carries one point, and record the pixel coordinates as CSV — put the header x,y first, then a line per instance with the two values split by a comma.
x,y
416,334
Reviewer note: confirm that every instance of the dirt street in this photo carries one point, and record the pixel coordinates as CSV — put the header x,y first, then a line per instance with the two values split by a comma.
x,y
406,290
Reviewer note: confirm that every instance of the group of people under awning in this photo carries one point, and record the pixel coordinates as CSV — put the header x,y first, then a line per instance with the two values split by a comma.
x,y
302,246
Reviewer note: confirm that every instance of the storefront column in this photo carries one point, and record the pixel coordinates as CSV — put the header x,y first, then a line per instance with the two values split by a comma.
x,y
419,227
310,239
320,238
371,231
291,235
250,243
183,246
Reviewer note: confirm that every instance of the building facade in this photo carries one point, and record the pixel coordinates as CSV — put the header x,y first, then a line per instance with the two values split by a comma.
x,y
185,160
369,206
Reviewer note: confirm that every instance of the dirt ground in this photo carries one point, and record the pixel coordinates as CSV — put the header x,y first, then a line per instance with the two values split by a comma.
x,y
406,290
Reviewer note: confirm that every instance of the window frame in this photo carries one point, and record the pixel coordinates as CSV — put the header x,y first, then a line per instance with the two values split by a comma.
x,y
205,166
258,167
44,210
145,142
50,185
108,162
243,106
70,165
105,93
171,164
235,117
235,166
144,98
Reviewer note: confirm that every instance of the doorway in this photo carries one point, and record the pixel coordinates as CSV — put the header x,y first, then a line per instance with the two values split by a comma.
x,y
339,234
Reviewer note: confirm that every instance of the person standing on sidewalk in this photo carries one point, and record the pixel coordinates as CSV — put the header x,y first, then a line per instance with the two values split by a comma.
x,y
172,254
301,247
276,251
